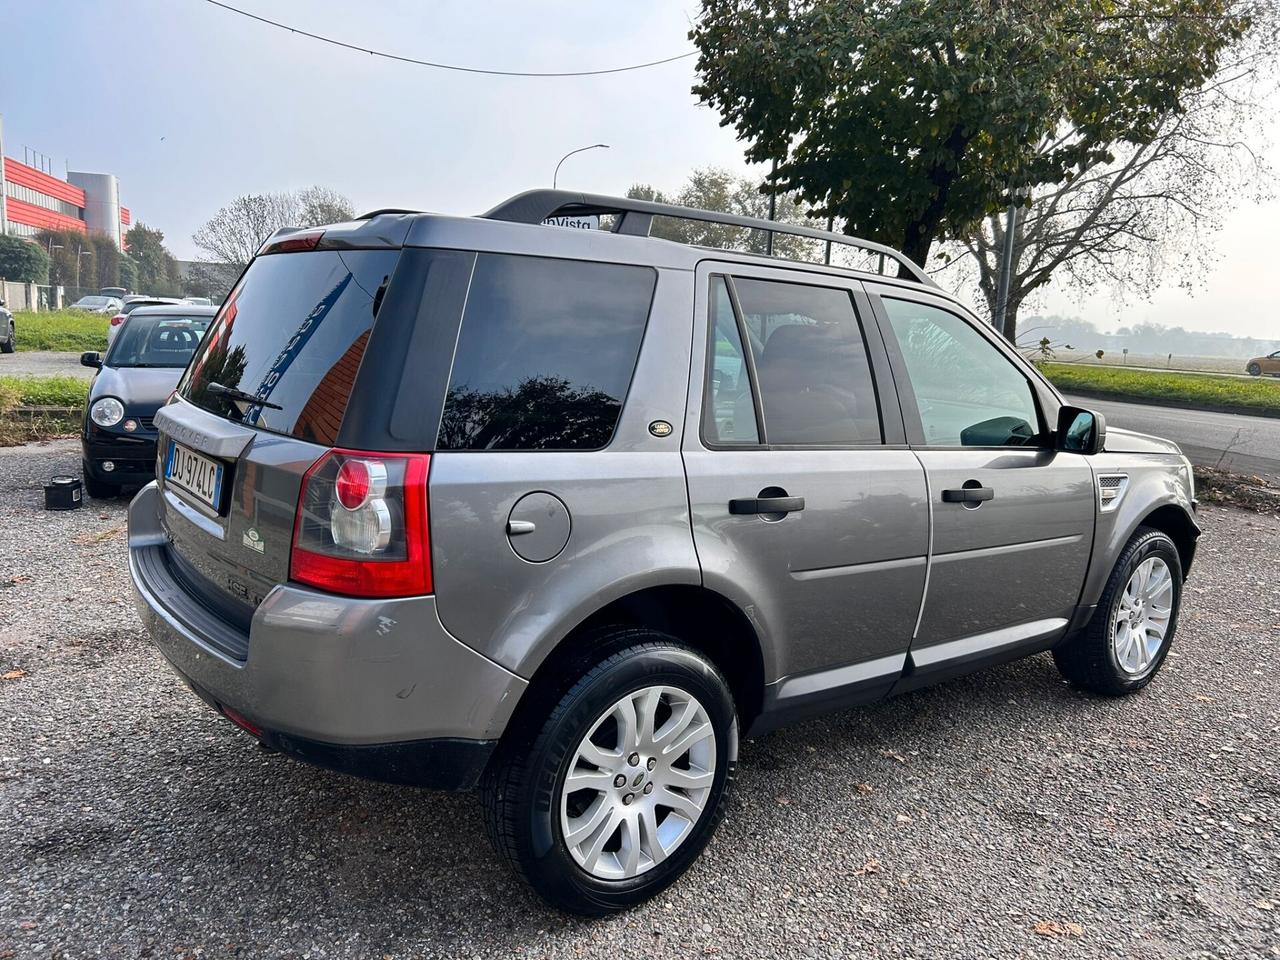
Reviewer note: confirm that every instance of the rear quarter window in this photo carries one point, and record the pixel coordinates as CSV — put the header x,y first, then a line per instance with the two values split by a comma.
x,y
545,354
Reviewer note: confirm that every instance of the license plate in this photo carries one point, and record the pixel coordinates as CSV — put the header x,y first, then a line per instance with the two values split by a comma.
x,y
195,473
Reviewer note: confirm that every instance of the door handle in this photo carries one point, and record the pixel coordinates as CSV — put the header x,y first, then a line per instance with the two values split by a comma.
x,y
968,495
749,505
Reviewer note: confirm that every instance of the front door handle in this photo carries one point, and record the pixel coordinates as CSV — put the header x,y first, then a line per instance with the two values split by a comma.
x,y
968,495
748,505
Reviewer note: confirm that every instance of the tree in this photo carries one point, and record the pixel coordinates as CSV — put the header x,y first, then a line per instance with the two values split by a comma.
x,y
910,120
233,235
320,205
23,261
157,269
713,188
1122,222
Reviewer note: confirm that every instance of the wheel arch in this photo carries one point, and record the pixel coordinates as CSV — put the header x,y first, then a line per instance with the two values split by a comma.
x,y
699,617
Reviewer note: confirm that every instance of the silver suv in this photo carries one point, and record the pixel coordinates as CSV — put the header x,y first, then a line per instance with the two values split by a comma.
x,y
563,514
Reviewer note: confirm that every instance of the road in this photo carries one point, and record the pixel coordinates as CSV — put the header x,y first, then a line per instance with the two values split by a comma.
x,y
1228,440
44,363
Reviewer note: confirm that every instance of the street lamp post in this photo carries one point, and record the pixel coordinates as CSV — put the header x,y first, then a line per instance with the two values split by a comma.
x,y
555,177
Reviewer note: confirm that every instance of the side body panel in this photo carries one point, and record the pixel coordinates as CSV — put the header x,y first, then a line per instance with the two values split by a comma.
x,y
836,584
627,504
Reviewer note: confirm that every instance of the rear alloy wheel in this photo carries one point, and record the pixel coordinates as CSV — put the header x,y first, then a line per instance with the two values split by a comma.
x,y
1129,636
1254,370
624,781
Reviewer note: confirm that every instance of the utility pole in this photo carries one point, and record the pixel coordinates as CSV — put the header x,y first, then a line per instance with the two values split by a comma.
x,y
4,194
1006,263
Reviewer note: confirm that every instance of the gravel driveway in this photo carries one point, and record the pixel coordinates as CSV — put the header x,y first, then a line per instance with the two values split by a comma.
x,y
1004,815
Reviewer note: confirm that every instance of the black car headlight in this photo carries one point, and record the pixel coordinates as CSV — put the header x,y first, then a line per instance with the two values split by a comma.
x,y
106,412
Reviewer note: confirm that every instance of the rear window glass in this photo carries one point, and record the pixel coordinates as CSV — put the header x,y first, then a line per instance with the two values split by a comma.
x,y
157,341
291,336
545,354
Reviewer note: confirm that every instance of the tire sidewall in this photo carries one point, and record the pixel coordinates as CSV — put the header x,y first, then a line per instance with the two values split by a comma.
x,y
1156,545
1254,370
548,862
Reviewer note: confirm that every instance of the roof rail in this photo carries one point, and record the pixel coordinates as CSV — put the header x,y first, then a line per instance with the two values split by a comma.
x,y
636,217
377,213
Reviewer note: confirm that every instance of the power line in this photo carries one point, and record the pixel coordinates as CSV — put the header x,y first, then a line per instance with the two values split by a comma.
x,y
447,66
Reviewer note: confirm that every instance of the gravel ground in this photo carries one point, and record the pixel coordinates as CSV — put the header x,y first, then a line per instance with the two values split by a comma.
x,y
1004,815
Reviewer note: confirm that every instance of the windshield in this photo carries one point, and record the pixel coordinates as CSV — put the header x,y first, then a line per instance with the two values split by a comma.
x,y
157,341
91,302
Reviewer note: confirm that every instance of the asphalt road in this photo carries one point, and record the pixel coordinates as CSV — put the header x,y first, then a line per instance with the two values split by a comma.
x,y
44,363
999,816
1228,440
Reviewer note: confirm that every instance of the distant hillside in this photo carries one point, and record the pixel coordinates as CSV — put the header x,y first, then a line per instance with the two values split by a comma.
x,y
1145,338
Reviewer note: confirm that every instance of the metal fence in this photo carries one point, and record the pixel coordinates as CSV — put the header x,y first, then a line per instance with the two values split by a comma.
x,y
39,296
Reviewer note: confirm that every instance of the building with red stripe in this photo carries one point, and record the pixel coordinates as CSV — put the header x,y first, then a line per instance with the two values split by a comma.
x,y
35,200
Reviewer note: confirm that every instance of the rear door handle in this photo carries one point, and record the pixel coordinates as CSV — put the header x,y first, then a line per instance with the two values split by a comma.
x,y
968,495
748,505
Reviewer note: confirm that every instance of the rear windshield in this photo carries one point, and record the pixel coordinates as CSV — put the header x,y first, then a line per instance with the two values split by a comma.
x,y
154,341
291,336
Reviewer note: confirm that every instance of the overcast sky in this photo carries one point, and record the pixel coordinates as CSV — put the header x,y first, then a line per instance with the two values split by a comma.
x,y
190,105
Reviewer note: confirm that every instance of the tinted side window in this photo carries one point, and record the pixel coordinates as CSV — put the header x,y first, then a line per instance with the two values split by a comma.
x,y
729,415
968,392
815,377
545,354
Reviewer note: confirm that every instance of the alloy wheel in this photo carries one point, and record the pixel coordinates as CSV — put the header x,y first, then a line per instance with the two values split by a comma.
x,y
638,782
1142,616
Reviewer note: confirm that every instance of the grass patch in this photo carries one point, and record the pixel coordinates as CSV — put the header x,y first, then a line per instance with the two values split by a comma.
x,y
1238,392
42,392
68,330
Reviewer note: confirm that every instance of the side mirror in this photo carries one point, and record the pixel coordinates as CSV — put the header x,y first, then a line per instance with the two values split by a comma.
x,y
91,359
1080,431
1,302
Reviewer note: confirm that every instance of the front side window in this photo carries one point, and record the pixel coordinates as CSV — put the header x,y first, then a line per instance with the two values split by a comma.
x,y
815,379
545,354
969,393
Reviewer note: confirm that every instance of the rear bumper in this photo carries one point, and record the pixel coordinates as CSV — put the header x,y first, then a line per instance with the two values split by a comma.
x,y
372,687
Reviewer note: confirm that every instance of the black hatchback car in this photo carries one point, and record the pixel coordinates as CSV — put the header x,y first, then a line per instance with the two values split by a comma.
x,y
139,371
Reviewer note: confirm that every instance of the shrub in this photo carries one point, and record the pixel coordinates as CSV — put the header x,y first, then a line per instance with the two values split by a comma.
x,y
23,261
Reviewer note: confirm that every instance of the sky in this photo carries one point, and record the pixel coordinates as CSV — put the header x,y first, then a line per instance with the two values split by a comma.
x,y
190,106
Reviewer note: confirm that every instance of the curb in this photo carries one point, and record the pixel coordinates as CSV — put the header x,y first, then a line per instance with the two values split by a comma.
x,y
1272,414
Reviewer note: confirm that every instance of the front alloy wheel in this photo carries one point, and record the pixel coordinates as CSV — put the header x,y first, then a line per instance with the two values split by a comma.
x,y
1129,636
1142,616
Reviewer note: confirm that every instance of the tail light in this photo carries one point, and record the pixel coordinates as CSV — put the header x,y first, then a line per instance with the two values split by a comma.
x,y
361,526
118,319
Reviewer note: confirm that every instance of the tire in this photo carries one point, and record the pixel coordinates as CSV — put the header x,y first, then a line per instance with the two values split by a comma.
x,y
1254,370
1098,658
523,793
10,344
98,489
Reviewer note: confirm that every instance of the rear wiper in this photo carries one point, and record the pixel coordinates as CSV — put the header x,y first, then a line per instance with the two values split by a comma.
x,y
232,393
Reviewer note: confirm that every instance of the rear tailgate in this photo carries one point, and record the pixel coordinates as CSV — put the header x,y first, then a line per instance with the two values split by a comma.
x,y
263,399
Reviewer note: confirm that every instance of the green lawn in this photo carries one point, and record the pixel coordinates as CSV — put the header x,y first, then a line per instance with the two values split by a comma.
x,y
1253,393
42,392
71,330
